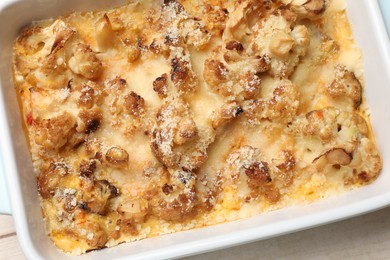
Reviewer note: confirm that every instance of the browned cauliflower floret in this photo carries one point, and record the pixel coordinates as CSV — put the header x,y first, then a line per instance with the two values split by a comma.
x,y
177,199
42,58
216,76
85,62
96,194
134,104
182,74
49,178
89,120
91,94
215,18
343,142
282,106
282,43
312,9
225,114
160,85
250,84
53,133
181,28
258,175
245,167
87,168
332,125
321,123
175,127
346,86
238,74
367,161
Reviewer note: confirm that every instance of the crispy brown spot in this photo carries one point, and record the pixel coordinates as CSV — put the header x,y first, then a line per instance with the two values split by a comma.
x,y
91,119
99,238
111,189
48,179
289,162
234,45
179,72
167,189
160,85
53,133
134,104
127,226
116,84
87,168
364,176
95,197
167,158
179,208
258,174
346,85
215,72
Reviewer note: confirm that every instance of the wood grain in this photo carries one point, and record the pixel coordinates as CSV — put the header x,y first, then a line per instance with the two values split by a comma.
x,y
364,237
9,246
6,225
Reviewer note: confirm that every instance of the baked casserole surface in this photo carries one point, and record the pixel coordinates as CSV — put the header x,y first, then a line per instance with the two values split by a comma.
x,y
161,116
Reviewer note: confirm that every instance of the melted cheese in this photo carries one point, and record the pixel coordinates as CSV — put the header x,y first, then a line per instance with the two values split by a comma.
x,y
153,118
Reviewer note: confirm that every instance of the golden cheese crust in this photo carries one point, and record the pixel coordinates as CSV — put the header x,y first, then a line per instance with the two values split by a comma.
x,y
161,116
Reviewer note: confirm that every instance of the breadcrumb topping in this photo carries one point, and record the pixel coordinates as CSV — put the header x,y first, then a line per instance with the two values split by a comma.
x,y
161,116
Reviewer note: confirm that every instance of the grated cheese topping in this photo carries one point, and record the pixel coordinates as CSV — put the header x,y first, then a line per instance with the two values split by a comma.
x,y
161,116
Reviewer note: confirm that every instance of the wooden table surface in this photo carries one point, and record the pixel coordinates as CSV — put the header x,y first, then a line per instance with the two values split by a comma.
x,y
364,237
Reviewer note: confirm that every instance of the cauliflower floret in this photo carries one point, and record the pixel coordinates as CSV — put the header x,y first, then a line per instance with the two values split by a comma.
x,y
85,62
53,133
175,127
282,106
346,86
311,9
283,45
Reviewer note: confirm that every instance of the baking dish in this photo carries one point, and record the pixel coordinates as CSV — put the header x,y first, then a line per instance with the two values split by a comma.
x,y
370,36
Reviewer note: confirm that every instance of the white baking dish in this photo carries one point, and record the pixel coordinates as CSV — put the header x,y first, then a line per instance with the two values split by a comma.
x,y
371,36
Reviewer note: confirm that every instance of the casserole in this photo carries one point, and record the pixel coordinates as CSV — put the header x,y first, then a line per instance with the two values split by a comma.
x,y
274,223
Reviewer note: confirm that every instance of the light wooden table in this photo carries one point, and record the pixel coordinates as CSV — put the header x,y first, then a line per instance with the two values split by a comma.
x,y
364,237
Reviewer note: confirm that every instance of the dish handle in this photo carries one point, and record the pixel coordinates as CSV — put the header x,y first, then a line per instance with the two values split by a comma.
x,y
385,8
5,207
